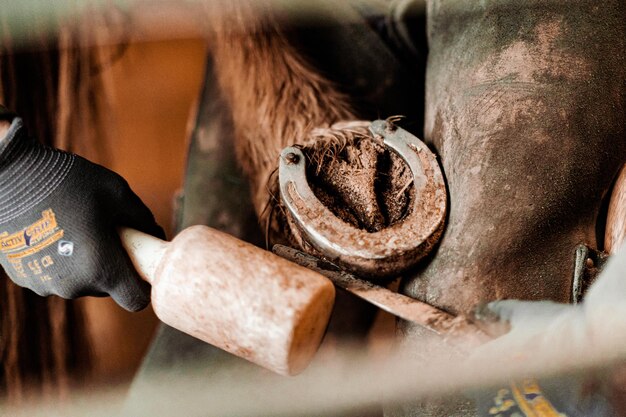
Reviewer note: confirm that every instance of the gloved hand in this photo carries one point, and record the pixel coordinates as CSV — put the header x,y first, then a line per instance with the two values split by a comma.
x,y
558,336
58,218
545,325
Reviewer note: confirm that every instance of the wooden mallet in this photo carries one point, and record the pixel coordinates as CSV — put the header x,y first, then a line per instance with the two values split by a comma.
x,y
234,295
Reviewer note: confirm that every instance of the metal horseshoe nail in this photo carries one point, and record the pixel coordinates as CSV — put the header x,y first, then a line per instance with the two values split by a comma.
x,y
380,254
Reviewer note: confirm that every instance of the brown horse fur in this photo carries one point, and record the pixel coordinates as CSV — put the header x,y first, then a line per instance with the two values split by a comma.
x,y
277,99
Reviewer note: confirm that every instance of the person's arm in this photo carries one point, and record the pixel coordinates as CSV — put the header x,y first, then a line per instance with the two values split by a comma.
x,y
560,337
58,220
546,332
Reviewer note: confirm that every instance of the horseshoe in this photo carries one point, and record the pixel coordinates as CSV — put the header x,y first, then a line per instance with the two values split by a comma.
x,y
387,252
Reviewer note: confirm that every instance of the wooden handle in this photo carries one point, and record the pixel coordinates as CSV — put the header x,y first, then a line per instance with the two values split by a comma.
x,y
616,216
144,250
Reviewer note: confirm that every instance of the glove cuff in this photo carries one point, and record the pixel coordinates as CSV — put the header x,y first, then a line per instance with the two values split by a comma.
x,y
29,171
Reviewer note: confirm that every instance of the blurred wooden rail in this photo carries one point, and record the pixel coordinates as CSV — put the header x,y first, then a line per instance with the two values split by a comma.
x,y
149,20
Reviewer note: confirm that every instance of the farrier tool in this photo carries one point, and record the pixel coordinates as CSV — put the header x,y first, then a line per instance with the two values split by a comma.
x,y
234,295
430,317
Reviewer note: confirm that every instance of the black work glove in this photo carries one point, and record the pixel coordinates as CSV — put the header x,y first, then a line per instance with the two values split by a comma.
x,y
58,218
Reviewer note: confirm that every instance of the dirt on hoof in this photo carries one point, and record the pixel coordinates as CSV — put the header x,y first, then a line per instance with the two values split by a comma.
x,y
360,180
